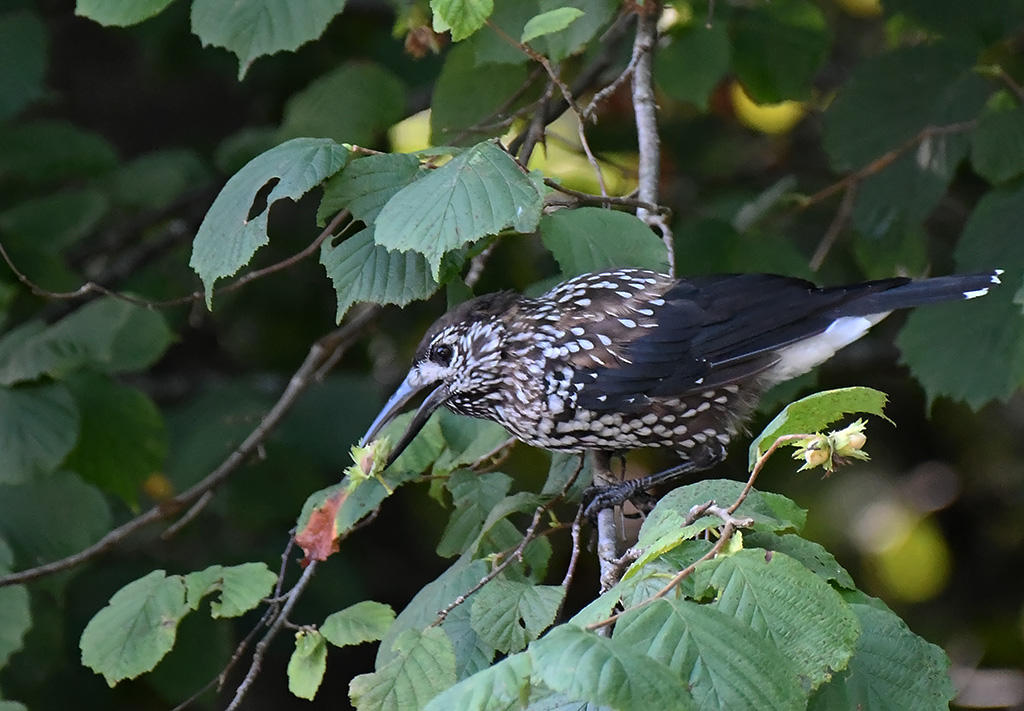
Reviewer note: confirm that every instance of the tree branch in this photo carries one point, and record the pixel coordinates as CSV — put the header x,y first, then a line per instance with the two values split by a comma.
x,y
339,338
645,109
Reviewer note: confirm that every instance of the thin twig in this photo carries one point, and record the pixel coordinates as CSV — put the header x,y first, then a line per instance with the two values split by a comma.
x,y
263,644
339,338
835,228
625,201
884,161
94,288
477,264
189,516
587,78
759,465
517,554
535,131
577,524
601,96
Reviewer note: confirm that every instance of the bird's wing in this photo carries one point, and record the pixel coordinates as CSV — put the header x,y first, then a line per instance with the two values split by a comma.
x,y
699,334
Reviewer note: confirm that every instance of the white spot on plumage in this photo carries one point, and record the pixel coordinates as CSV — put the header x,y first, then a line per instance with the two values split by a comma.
x,y
976,293
628,322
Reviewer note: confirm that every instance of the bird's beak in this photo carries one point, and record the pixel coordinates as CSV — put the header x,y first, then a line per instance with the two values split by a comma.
x,y
406,392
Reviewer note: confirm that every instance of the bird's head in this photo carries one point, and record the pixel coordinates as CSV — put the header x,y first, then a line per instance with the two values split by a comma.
x,y
459,358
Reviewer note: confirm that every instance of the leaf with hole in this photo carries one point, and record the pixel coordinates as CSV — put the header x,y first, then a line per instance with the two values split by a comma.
x,y
508,614
236,225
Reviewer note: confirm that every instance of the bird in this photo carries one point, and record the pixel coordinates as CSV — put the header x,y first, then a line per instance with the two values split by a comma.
x,y
630,358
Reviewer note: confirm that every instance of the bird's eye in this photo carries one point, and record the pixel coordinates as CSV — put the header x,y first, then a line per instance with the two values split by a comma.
x,y
441,354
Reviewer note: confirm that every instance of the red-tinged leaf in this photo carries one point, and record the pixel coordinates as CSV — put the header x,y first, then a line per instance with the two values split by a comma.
x,y
319,538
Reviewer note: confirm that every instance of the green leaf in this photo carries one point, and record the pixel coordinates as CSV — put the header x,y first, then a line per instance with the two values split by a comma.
x,y
587,667
307,664
813,555
564,467
355,103
52,518
892,669
471,653
38,427
236,225
673,507
49,152
119,13
997,146
597,14
987,333
467,95
500,687
478,193
136,628
474,495
693,63
108,334
254,28
422,666
365,185
510,18
778,598
814,413
122,439
891,98
700,643
777,49
466,440
23,50
549,22
462,17
241,587
590,239
508,614
362,270
366,621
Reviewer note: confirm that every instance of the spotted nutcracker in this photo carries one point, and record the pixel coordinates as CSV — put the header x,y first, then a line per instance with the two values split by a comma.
x,y
628,358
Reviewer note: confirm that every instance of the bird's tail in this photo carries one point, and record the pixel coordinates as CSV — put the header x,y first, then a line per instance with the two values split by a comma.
x,y
925,291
